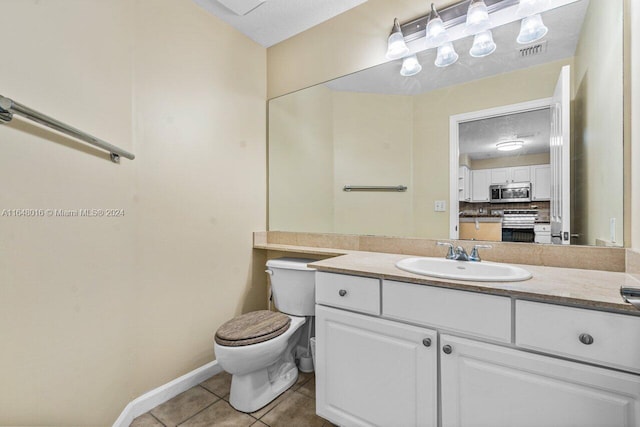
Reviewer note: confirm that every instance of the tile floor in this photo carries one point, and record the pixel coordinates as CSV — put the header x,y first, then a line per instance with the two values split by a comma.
x,y
207,404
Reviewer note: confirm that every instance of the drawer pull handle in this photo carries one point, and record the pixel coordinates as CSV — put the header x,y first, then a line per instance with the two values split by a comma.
x,y
586,339
342,292
447,349
426,342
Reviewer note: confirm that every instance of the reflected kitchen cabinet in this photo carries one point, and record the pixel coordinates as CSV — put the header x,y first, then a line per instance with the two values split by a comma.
x,y
541,182
480,180
512,174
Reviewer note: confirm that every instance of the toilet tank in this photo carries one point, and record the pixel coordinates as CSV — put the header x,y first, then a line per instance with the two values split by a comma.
x,y
293,285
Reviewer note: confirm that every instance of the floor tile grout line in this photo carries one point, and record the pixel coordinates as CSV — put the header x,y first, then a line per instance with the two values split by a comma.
x,y
156,418
203,409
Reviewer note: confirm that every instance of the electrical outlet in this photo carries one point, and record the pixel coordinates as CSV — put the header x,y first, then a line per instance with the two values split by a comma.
x,y
440,206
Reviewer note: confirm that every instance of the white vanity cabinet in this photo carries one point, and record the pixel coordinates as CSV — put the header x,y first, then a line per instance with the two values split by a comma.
x,y
501,361
373,372
490,385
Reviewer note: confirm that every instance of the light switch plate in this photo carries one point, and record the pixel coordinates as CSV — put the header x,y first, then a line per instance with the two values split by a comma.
x,y
440,206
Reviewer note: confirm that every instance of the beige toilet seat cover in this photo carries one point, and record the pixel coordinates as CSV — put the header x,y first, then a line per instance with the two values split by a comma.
x,y
252,328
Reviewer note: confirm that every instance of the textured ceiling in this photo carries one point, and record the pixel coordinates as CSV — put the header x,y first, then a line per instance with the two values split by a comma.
x,y
478,138
276,20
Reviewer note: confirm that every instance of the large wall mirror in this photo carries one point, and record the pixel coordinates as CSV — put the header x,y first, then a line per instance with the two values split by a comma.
x,y
558,106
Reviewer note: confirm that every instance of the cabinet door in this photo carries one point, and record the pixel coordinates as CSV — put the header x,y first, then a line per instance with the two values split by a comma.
x,y
500,175
373,372
480,185
489,385
541,182
520,174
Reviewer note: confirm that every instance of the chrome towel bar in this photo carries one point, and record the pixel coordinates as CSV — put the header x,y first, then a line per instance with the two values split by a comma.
x,y
9,107
397,188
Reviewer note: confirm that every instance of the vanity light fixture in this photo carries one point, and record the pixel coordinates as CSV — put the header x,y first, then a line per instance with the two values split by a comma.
x,y
510,145
410,66
446,55
436,33
532,29
396,46
483,45
477,17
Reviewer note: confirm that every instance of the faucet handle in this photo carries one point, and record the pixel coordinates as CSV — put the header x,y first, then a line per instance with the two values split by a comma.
x,y
450,254
475,255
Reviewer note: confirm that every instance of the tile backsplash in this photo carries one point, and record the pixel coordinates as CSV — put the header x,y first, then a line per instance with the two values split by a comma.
x,y
471,209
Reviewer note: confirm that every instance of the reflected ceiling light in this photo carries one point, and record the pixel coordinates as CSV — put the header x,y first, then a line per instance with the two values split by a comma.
x,y
509,145
531,7
483,45
410,66
436,32
477,17
531,29
396,47
446,55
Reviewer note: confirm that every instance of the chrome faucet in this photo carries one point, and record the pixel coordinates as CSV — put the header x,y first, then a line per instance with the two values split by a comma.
x,y
475,255
450,254
461,254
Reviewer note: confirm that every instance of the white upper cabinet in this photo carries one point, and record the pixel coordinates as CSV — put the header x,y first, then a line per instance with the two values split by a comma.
x,y
480,181
512,174
541,182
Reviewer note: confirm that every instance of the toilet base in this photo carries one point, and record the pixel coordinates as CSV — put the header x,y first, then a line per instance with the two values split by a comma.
x,y
257,389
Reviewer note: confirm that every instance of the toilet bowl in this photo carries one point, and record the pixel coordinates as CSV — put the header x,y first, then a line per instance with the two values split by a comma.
x,y
259,348
261,372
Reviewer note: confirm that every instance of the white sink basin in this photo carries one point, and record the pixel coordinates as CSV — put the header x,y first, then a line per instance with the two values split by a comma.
x,y
464,270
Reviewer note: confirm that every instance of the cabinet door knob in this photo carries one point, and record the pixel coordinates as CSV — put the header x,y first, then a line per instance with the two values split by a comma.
x,y
447,349
342,292
586,339
427,342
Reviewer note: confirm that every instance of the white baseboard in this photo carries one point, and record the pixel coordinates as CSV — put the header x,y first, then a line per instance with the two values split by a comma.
x,y
155,397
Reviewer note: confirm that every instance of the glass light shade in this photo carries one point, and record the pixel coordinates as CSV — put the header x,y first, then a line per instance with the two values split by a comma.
x,y
509,145
396,47
531,7
531,29
410,66
483,45
477,18
436,33
446,55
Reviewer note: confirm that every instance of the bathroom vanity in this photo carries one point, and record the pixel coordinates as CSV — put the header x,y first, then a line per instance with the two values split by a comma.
x,y
398,349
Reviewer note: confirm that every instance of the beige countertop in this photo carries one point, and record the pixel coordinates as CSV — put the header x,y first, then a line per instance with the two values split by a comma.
x,y
593,289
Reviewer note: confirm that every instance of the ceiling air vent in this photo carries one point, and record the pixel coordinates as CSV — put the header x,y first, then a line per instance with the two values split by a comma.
x,y
533,50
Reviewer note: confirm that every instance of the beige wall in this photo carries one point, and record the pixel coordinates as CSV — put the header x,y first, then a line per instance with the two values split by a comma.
x,y
373,146
352,41
598,124
301,170
96,311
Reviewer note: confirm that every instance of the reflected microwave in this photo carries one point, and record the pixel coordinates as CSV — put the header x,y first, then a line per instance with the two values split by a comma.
x,y
509,193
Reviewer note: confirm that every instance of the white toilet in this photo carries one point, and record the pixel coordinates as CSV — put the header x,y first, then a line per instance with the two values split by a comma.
x,y
258,348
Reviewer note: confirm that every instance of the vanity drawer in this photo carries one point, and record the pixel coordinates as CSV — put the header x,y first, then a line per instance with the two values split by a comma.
x,y
350,292
557,329
481,315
